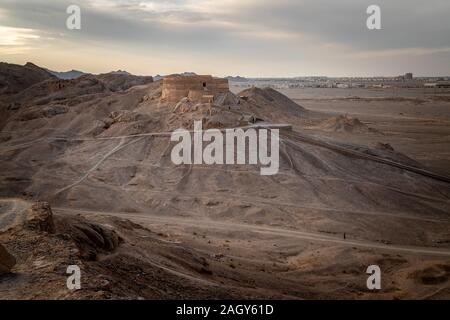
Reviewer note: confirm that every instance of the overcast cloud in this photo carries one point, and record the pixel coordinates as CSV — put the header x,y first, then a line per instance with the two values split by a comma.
x,y
229,37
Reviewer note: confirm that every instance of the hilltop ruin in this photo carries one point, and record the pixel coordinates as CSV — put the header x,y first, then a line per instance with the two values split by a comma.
x,y
200,88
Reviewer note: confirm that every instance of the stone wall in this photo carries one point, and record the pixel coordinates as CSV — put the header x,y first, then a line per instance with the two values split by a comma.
x,y
196,88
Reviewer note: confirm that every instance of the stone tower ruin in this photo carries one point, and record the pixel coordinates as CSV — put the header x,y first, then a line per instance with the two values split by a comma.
x,y
197,88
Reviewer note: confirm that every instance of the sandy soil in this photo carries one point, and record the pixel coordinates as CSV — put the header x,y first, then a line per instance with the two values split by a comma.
x,y
338,204
189,258
416,122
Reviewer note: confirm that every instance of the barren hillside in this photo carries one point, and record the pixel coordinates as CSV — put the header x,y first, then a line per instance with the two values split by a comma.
x,y
99,147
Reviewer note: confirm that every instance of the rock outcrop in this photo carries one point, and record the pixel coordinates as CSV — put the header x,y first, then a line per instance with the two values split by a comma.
x,y
7,261
40,217
226,99
384,146
90,238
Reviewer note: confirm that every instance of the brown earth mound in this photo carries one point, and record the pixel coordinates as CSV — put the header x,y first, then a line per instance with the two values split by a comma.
x,y
272,103
121,82
432,275
225,112
344,123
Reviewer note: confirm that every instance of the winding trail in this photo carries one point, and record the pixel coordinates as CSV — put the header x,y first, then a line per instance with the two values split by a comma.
x,y
118,147
272,202
293,135
264,230
356,154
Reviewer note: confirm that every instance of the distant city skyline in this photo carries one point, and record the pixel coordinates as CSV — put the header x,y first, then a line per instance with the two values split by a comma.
x,y
250,38
236,77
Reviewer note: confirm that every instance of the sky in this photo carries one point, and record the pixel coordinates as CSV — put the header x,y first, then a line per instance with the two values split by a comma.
x,y
254,38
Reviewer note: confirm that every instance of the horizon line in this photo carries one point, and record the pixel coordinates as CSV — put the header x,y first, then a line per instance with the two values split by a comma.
x,y
238,75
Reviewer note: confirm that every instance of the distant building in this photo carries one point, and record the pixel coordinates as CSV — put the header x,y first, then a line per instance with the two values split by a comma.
x,y
196,88
439,84
408,76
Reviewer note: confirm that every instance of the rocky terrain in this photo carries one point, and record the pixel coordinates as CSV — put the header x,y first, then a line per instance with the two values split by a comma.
x,y
15,78
96,150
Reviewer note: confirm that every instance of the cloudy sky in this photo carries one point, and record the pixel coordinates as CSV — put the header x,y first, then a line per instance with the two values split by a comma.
x,y
230,37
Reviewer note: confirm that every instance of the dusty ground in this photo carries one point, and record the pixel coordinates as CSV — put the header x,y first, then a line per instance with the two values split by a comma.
x,y
338,204
184,258
415,122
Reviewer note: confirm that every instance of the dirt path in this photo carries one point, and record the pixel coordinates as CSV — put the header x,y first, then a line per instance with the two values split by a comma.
x,y
118,147
265,230
272,202
296,136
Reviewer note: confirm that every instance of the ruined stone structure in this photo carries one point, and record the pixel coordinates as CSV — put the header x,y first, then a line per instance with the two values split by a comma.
x,y
196,88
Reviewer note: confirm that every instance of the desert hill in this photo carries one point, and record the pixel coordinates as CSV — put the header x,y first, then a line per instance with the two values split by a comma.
x,y
120,81
272,102
344,123
99,146
48,96
77,127
15,78
66,75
